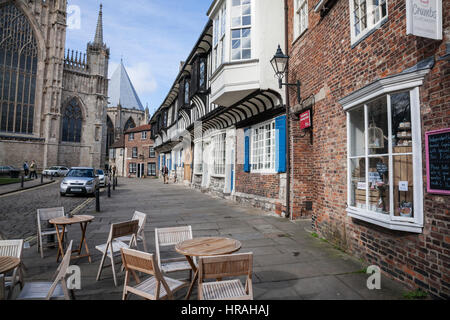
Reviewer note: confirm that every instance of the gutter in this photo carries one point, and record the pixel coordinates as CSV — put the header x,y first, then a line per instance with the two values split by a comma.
x,y
288,129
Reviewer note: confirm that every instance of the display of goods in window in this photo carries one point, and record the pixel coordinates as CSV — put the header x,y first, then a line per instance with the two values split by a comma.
x,y
403,182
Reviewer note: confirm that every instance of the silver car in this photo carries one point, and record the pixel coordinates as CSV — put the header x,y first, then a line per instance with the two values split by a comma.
x,y
56,171
102,178
82,180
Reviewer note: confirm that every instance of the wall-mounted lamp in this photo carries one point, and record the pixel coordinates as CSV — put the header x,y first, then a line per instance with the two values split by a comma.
x,y
279,64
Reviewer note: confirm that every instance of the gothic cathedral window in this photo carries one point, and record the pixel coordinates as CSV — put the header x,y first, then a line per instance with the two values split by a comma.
x,y
71,122
18,65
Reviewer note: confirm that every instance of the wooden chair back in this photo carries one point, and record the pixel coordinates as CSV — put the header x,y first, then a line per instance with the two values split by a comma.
x,y
11,248
121,229
165,237
46,214
144,262
142,218
60,274
223,266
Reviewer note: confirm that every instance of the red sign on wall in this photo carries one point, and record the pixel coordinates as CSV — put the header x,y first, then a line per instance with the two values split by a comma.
x,y
305,120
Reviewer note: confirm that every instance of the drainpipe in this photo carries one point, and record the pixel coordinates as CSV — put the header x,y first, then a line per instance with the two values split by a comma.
x,y
288,130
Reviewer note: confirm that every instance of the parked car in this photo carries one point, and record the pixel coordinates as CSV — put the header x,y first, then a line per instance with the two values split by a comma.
x,y
9,171
56,171
79,180
102,177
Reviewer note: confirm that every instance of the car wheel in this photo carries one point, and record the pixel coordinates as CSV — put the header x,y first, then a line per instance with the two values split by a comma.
x,y
62,194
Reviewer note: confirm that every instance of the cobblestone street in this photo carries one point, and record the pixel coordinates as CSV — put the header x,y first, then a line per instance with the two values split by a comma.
x,y
18,210
289,263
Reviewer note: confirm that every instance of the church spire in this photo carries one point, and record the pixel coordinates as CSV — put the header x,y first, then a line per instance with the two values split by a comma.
x,y
99,32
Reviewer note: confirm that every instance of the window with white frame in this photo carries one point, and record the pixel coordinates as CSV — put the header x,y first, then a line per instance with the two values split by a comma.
x,y
263,147
152,153
131,137
151,169
198,158
132,168
366,15
219,28
384,158
134,153
219,154
121,152
112,153
144,135
300,18
241,21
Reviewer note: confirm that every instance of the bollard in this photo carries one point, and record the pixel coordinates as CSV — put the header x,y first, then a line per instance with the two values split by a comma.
x,y
51,177
117,184
109,189
42,178
21,182
114,184
97,200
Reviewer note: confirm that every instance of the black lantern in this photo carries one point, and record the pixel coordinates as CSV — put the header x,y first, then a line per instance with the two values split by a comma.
x,y
279,64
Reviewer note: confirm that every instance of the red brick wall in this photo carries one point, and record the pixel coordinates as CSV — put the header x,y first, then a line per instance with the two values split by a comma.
x,y
263,185
143,148
322,58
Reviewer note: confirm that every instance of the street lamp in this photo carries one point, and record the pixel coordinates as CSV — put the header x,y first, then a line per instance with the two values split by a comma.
x,y
279,64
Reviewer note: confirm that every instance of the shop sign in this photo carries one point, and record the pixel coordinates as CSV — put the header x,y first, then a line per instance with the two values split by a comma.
x,y
305,120
424,18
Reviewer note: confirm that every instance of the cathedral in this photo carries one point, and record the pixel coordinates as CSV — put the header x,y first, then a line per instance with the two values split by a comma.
x,y
53,101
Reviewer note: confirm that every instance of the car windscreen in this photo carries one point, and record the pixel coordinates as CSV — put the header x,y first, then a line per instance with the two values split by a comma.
x,y
81,173
100,172
53,168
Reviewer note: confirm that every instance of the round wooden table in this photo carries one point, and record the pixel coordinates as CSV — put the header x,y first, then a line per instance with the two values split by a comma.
x,y
62,222
206,246
6,264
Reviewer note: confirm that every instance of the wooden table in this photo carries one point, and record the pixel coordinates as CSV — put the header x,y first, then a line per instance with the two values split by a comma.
x,y
206,246
62,222
6,264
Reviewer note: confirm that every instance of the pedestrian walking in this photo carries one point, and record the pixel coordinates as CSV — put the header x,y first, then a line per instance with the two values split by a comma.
x,y
166,175
33,173
114,168
26,169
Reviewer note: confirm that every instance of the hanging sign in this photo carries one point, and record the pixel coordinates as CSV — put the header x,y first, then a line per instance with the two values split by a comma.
x,y
305,120
424,18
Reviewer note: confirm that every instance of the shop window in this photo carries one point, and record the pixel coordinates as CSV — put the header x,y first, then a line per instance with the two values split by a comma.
x,y
263,147
384,160
219,154
151,169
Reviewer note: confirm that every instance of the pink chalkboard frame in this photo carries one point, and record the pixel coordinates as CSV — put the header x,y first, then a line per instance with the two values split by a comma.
x,y
427,134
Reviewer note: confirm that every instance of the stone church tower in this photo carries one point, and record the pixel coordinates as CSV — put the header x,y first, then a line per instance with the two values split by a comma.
x,y
53,101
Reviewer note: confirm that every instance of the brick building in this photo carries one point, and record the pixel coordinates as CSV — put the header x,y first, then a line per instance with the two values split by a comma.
x,y
140,156
374,92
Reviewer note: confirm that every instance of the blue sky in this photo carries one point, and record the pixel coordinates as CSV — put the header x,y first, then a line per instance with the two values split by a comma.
x,y
152,36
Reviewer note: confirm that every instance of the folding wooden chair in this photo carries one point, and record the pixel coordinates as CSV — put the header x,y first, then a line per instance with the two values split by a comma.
x,y
12,248
157,286
218,267
142,217
113,246
169,237
43,216
50,290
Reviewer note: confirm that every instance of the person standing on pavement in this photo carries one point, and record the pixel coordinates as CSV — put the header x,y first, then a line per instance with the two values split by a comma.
x,y
25,169
33,170
166,175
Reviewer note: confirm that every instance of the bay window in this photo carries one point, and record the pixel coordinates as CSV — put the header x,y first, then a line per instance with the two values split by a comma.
x,y
263,147
241,21
366,15
385,184
219,28
219,154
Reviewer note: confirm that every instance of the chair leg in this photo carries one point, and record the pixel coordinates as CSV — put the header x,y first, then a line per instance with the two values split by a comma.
x,y
101,266
125,293
42,251
144,242
113,270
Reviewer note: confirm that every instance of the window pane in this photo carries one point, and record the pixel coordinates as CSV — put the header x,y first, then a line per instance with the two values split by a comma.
x,y
378,127
379,185
357,132
358,183
403,186
401,123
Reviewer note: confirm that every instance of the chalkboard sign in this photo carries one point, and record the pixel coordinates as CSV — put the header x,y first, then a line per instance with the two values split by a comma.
x,y
438,161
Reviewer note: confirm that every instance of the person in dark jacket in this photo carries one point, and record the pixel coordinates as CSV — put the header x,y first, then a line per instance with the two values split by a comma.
x,y
166,175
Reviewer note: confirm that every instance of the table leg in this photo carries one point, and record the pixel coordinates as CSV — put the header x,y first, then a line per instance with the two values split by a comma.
x,y
2,287
83,239
60,240
194,278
